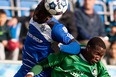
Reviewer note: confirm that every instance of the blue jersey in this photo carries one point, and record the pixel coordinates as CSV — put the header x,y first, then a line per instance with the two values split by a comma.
x,y
39,39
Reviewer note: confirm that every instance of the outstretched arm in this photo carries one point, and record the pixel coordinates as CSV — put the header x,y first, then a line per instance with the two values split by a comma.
x,y
51,61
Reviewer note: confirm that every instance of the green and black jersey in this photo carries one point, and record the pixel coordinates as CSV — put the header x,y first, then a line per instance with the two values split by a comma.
x,y
66,65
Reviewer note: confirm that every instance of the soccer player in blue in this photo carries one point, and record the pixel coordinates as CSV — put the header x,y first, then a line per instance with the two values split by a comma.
x,y
43,31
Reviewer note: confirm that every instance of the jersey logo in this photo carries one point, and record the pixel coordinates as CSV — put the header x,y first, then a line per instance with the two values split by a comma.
x,y
34,38
77,73
43,28
65,29
94,72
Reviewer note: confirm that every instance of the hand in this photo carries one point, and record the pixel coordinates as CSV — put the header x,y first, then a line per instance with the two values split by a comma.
x,y
55,47
28,75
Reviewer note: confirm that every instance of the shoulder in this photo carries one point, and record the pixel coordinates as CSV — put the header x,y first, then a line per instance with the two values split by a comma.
x,y
58,27
97,15
79,11
53,23
100,65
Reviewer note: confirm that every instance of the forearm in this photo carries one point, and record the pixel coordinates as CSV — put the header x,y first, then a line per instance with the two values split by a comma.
x,y
51,61
72,48
44,63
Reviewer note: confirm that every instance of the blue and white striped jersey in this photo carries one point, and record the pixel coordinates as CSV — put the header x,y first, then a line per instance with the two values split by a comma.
x,y
39,38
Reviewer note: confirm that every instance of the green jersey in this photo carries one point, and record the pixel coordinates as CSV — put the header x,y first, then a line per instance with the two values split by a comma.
x,y
66,65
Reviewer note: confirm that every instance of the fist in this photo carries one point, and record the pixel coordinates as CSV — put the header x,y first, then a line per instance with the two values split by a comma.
x,y
28,75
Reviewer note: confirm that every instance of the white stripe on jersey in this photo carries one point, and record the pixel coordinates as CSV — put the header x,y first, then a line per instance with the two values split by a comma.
x,y
28,53
29,61
44,29
27,70
27,65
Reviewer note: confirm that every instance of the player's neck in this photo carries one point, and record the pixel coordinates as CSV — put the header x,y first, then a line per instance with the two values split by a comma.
x,y
84,55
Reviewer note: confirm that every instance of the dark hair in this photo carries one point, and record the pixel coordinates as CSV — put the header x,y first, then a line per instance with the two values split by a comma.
x,y
2,11
40,11
96,41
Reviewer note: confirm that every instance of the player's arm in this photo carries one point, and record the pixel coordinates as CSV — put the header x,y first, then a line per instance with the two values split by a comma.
x,y
51,61
60,34
72,48
102,70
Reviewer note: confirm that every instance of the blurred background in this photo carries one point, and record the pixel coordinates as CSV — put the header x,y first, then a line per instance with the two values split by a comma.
x,y
18,14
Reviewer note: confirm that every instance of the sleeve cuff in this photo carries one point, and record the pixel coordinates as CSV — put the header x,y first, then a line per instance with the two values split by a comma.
x,y
31,73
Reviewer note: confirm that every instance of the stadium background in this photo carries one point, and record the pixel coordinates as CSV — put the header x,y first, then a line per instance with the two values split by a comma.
x,y
21,8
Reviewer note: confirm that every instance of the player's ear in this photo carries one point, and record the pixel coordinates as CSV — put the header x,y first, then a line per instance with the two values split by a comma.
x,y
48,17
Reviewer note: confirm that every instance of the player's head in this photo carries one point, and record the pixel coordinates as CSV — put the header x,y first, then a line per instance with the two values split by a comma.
x,y
41,15
95,50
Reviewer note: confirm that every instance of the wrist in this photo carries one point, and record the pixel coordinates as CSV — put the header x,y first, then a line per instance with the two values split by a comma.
x,y
36,69
30,73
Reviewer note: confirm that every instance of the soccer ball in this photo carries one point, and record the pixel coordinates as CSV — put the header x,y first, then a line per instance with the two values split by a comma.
x,y
56,7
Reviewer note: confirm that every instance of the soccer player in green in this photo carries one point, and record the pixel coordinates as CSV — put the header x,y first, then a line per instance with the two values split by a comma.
x,y
86,64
